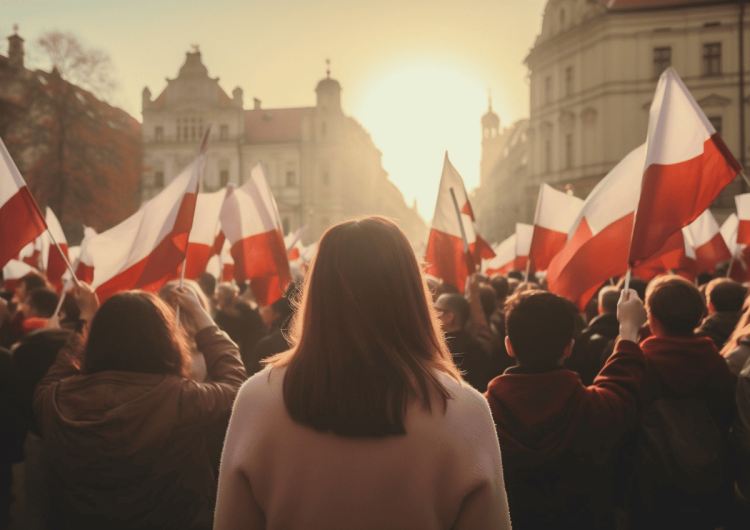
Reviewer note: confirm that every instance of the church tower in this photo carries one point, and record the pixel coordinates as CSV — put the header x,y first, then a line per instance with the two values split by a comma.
x,y
491,142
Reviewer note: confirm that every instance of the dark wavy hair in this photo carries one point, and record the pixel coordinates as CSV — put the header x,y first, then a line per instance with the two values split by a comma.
x,y
365,337
136,331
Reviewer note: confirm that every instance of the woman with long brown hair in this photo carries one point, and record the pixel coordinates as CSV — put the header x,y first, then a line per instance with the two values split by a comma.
x,y
365,422
122,422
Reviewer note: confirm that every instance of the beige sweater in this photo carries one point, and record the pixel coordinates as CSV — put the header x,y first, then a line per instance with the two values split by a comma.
x,y
444,473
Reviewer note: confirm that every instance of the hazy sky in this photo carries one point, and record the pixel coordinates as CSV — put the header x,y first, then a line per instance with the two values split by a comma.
x,y
415,73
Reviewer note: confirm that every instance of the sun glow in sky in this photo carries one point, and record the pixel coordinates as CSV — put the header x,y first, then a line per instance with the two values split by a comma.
x,y
414,73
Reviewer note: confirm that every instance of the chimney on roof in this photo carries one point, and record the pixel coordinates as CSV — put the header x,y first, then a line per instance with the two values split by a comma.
x,y
256,103
237,97
145,98
15,49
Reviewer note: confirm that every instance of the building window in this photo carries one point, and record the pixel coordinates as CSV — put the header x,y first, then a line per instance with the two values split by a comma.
x,y
159,179
548,155
712,58
291,178
716,122
568,151
662,60
159,134
223,178
224,132
569,81
547,89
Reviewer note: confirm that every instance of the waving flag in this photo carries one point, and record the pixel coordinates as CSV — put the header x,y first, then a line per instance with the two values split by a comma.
x,y
21,222
524,233
505,257
743,215
555,214
56,262
597,247
705,237
206,238
13,271
686,166
676,256
445,253
250,221
143,251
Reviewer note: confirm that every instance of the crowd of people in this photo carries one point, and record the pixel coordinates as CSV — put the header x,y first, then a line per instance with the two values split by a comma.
x,y
370,396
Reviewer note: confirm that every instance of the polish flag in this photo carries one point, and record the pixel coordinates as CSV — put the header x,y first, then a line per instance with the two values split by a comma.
x,y
686,166
84,264
445,254
676,256
597,247
143,251
505,256
56,262
20,219
206,238
739,265
227,262
743,215
250,221
705,237
13,271
524,234
555,214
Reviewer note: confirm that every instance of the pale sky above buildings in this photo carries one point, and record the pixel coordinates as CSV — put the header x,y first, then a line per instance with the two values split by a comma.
x,y
415,73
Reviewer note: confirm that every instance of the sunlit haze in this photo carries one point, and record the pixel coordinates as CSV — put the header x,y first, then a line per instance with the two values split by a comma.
x,y
414,73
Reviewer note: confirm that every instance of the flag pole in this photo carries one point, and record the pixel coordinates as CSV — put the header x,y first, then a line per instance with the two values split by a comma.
x,y
627,278
65,259
747,181
59,304
461,227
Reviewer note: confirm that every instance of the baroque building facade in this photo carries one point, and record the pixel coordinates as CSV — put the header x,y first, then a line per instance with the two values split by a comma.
x,y
593,72
321,164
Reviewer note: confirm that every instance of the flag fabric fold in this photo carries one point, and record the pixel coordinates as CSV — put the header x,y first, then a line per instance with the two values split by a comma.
x,y
21,221
505,256
206,238
250,221
686,166
555,214
524,234
55,262
705,237
445,253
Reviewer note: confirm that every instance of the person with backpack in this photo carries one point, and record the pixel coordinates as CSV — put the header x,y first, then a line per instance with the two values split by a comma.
x,y
681,474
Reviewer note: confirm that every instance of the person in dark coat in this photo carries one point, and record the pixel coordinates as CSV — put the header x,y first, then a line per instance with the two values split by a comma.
x,y
280,313
588,356
724,298
239,320
468,353
558,437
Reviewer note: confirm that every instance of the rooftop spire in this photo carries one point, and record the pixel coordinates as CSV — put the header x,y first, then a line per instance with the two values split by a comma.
x,y
15,29
489,97
328,68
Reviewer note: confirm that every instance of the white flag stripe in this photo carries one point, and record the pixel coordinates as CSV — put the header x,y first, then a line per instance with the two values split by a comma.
x,y
743,206
729,232
445,219
11,180
557,210
505,252
524,233
703,229
250,209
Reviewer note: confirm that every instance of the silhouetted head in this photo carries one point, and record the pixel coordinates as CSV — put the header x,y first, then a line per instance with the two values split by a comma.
x,y
453,312
608,298
725,294
675,306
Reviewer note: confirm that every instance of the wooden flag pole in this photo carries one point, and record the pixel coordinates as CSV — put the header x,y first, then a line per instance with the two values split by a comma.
x,y
461,227
627,278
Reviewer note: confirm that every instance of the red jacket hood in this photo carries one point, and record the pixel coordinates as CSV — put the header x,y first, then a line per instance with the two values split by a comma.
x,y
685,365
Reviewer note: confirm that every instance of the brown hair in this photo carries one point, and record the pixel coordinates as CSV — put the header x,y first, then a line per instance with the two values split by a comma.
x,y
135,331
365,336
676,303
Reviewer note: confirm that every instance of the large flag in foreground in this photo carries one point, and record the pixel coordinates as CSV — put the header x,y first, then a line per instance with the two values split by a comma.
x,y
676,256
445,253
20,219
250,221
686,166
598,242
145,249
555,214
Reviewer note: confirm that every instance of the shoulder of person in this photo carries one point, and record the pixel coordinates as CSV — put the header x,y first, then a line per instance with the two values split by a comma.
x,y
264,385
465,400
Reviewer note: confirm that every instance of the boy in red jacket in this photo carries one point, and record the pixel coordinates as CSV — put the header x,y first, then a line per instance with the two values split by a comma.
x,y
557,436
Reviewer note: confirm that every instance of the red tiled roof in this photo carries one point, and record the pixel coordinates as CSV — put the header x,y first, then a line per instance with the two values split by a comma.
x,y
618,5
275,125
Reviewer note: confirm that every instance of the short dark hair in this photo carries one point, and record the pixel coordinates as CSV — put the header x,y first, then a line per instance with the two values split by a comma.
x,y
207,283
540,325
457,305
135,331
500,284
488,299
32,281
726,294
43,301
676,303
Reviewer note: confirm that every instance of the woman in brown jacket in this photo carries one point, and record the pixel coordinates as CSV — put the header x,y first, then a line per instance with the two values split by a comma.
x,y
124,426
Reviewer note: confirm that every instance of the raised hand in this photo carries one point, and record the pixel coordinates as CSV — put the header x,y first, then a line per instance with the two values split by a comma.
x,y
86,300
631,313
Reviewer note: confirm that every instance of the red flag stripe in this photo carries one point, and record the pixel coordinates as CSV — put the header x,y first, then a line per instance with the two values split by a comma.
x,y
20,223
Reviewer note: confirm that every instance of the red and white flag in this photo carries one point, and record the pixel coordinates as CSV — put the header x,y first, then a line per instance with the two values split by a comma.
x,y
145,249
555,214
505,256
598,242
250,221
686,166
13,271
739,264
21,222
524,234
84,264
206,238
445,254
677,256
56,262
705,237
743,215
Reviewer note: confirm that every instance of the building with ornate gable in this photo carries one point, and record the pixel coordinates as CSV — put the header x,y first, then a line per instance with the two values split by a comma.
x,y
321,164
